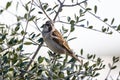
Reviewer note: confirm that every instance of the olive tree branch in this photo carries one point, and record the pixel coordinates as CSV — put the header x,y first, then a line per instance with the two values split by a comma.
x,y
26,22
59,9
99,18
79,4
82,26
118,76
33,57
40,6
72,5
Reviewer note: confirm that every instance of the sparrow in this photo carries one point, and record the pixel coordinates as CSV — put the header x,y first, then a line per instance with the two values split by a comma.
x,y
55,41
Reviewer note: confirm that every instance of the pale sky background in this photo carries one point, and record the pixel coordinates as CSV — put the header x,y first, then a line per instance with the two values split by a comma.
x,y
92,42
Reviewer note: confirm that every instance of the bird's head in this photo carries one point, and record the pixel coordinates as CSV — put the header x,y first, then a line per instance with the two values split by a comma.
x,y
47,27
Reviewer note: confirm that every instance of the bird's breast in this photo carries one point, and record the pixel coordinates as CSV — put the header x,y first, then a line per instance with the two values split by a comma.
x,y
55,47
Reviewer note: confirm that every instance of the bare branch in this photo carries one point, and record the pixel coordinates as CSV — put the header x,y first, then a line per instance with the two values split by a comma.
x,y
118,76
75,4
43,10
37,26
34,56
32,59
62,5
26,24
60,8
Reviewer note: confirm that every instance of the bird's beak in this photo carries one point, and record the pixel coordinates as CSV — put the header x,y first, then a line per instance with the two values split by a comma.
x,y
42,25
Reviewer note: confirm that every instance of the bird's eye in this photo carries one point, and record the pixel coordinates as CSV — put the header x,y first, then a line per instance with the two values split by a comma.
x,y
50,28
48,24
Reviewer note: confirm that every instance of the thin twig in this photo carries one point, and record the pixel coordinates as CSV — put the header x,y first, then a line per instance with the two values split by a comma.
x,y
28,66
37,26
118,76
109,72
44,10
75,4
4,49
60,8
82,27
26,24
32,59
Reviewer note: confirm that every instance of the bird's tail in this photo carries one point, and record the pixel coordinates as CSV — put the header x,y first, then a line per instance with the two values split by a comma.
x,y
75,57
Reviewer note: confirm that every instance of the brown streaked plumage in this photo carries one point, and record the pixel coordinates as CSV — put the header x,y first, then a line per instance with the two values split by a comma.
x,y
55,41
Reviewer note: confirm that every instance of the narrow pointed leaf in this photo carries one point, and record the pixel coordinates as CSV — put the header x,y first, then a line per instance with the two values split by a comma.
x,y
95,9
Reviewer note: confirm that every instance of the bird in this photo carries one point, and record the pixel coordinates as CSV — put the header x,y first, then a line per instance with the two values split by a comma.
x,y
54,40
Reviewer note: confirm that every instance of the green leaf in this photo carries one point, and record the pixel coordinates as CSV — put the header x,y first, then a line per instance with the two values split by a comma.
x,y
88,9
74,78
89,56
105,20
32,9
72,29
55,7
81,51
8,4
68,19
112,21
33,36
31,19
95,9
11,42
17,28
86,64
28,43
45,6
110,32
98,61
49,9
72,60
113,67
40,59
72,38
3,36
64,29
115,59
87,23
47,60
72,22
39,72
26,6
82,20
72,1
5,59
40,12
103,29
22,32
97,74
118,28
90,27
61,74
26,16
94,56
20,47
1,11
40,40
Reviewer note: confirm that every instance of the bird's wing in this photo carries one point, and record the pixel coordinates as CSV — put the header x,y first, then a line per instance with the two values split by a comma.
x,y
57,37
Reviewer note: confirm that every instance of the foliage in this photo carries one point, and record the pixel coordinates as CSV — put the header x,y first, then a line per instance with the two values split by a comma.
x,y
15,63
